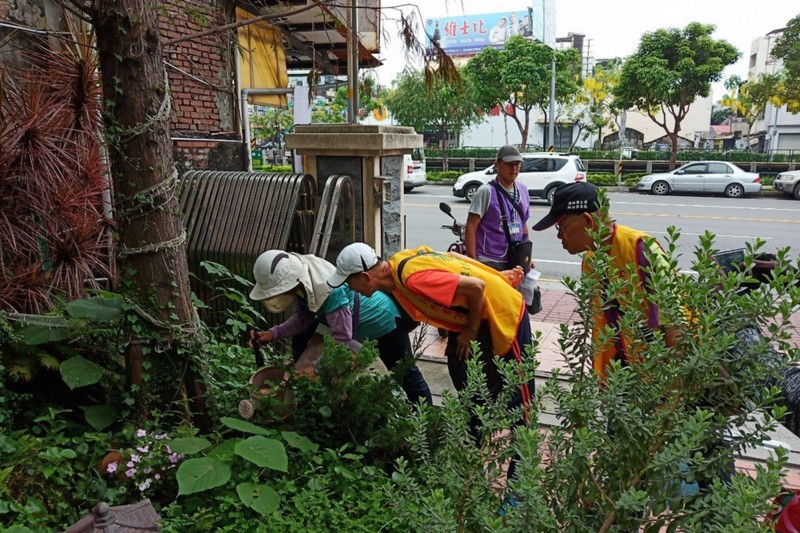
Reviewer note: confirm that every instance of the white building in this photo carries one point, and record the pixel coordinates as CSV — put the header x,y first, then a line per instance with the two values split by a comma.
x,y
778,131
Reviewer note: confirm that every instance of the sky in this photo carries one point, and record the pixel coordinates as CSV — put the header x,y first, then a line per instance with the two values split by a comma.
x,y
614,26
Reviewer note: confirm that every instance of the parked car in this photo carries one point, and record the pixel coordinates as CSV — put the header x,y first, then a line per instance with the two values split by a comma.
x,y
703,177
541,173
789,183
416,173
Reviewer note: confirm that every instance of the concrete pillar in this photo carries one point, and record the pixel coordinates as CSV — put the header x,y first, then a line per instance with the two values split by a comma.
x,y
373,157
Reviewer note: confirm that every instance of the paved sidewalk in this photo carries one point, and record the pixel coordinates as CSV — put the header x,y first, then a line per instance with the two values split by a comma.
x,y
558,307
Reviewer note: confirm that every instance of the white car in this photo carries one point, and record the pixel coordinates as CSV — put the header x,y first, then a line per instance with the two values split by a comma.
x,y
789,183
542,173
416,173
703,177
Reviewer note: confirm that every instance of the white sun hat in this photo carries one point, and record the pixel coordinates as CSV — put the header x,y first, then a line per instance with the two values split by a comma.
x,y
277,272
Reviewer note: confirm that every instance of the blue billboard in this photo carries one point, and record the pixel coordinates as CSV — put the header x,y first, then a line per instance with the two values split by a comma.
x,y
466,35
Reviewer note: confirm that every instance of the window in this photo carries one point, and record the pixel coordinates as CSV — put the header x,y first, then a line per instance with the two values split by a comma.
x,y
536,165
559,163
699,168
718,168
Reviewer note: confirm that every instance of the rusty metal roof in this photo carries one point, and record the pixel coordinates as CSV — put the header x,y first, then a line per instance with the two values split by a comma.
x,y
315,32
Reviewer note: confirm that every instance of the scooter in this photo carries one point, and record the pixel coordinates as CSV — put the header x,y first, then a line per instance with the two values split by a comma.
x,y
456,228
459,247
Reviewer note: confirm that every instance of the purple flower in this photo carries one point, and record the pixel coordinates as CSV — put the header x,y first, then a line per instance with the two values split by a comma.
x,y
143,449
131,472
161,437
158,476
147,470
144,485
141,433
136,458
174,458
111,468
130,464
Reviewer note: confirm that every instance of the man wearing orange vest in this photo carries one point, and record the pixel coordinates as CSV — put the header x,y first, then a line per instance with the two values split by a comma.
x,y
470,300
573,215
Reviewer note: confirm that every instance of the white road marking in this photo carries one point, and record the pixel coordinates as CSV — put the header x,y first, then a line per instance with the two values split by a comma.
x,y
715,235
703,206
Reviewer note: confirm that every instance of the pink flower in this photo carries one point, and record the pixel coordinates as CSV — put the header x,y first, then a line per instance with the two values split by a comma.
x,y
136,458
175,457
130,464
161,437
131,472
111,468
157,476
143,449
141,433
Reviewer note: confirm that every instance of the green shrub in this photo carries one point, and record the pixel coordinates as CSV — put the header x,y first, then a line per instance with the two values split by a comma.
x,y
273,168
617,458
436,176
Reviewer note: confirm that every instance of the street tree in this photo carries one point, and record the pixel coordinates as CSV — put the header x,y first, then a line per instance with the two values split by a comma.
x,y
424,102
151,239
670,69
519,75
749,98
591,109
334,110
787,49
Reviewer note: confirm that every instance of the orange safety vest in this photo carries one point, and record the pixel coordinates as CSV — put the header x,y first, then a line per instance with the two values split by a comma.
x,y
503,306
623,253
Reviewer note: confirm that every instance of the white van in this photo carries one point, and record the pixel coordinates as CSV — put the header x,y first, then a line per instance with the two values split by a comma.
x,y
415,169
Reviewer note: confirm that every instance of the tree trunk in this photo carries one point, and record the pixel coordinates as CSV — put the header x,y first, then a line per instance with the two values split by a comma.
x,y
152,251
674,155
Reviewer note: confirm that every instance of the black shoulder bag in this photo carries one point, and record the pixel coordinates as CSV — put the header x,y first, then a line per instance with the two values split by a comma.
x,y
519,252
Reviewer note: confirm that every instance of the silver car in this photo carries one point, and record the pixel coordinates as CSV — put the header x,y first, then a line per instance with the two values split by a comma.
x,y
703,177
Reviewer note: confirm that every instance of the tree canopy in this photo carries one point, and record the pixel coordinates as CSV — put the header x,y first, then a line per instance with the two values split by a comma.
x,y
669,70
748,98
426,102
519,75
591,109
787,49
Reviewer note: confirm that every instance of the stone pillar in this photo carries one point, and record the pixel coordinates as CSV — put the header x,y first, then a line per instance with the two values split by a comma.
x,y
373,157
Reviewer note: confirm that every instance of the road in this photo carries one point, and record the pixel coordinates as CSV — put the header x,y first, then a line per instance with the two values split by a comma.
x,y
735,222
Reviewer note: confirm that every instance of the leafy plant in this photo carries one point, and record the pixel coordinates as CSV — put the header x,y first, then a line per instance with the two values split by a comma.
x,y
630,452
80,346
48,477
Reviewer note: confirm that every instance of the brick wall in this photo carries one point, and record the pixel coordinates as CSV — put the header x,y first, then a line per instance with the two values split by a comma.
x,y
204,103
29,13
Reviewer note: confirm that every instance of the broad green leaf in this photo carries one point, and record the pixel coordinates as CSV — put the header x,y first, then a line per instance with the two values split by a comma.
x,y
79,372
302,443
224,451
100,309
260,498
264,452
35,334
204,473
244,426
100,416
189,445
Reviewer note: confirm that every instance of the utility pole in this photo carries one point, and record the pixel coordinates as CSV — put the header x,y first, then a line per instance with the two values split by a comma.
x,y
352,65
551,112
